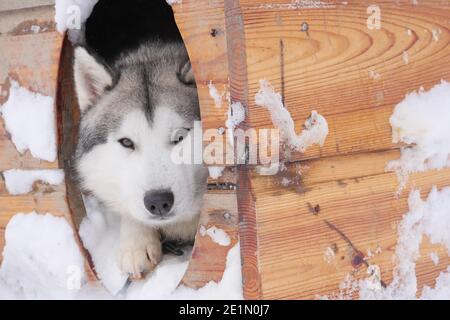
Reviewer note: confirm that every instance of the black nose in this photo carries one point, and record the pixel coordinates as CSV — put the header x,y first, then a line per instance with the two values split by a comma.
x,y
158,202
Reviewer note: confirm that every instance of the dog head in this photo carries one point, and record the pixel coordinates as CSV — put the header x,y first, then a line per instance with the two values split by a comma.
x,y
133,114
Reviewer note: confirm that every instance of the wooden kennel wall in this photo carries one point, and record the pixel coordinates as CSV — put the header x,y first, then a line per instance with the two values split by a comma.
x,y
319,55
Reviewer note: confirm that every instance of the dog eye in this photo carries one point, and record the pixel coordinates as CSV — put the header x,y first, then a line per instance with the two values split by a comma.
x,y
179,135
126,143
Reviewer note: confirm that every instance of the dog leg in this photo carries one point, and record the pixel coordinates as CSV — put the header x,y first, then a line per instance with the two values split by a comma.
x,y
140,248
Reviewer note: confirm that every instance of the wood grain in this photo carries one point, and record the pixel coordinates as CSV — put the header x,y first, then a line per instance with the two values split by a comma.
x,y
32,60
202,25
352,75
358,199
7,5
209,258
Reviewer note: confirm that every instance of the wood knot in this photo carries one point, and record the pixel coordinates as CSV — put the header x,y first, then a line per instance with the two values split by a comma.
x,y
357,259
214,32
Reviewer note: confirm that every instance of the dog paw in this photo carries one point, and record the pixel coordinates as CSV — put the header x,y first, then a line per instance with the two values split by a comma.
x,y
137,259
139,249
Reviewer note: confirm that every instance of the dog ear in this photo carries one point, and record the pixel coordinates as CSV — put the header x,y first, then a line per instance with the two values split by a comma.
x,y
91,78
186,75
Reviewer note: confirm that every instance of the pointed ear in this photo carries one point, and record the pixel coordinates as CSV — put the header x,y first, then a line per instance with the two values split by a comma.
x,y
92,78
186,75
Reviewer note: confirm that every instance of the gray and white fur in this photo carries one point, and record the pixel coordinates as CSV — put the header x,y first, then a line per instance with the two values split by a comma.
x,y
133,113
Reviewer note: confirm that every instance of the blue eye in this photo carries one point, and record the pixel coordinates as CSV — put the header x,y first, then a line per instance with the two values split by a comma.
x,y
126,143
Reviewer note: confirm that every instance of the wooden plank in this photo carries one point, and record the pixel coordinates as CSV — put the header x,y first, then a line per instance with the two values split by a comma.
x,y
20,21
219,210
32,60
352,75
202,25
355,195
43,199
208,258
7,5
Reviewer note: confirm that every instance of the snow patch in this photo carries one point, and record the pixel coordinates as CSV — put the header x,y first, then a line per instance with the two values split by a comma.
x,y
214,93
316,127
422,121
429,218
40,258
100,233
215,172
21,181
229,288
172,2
435,258
30,119
329,255
235,114
405,57
217,235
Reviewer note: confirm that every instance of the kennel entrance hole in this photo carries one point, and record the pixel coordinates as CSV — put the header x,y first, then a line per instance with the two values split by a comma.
x,y
220,210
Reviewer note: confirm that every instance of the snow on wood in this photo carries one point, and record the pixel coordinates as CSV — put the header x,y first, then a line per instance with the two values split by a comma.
x,y
422,120
316,127
235,114
215,95
215,172
217,235
431,218
41,259
21,181
30,119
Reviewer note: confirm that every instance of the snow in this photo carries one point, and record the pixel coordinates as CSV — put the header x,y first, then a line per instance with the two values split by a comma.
x,y
215,172
29,118
441,288
35,28
235,114
285,182
168,274
71,15
215,95
229,288
430,218
216,234
21,181
329,255
435,258
316,127
422,121
405,57
99,233
436,34
172,2
40,259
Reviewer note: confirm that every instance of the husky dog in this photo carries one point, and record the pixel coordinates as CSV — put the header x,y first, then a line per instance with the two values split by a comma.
x,y
133,113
